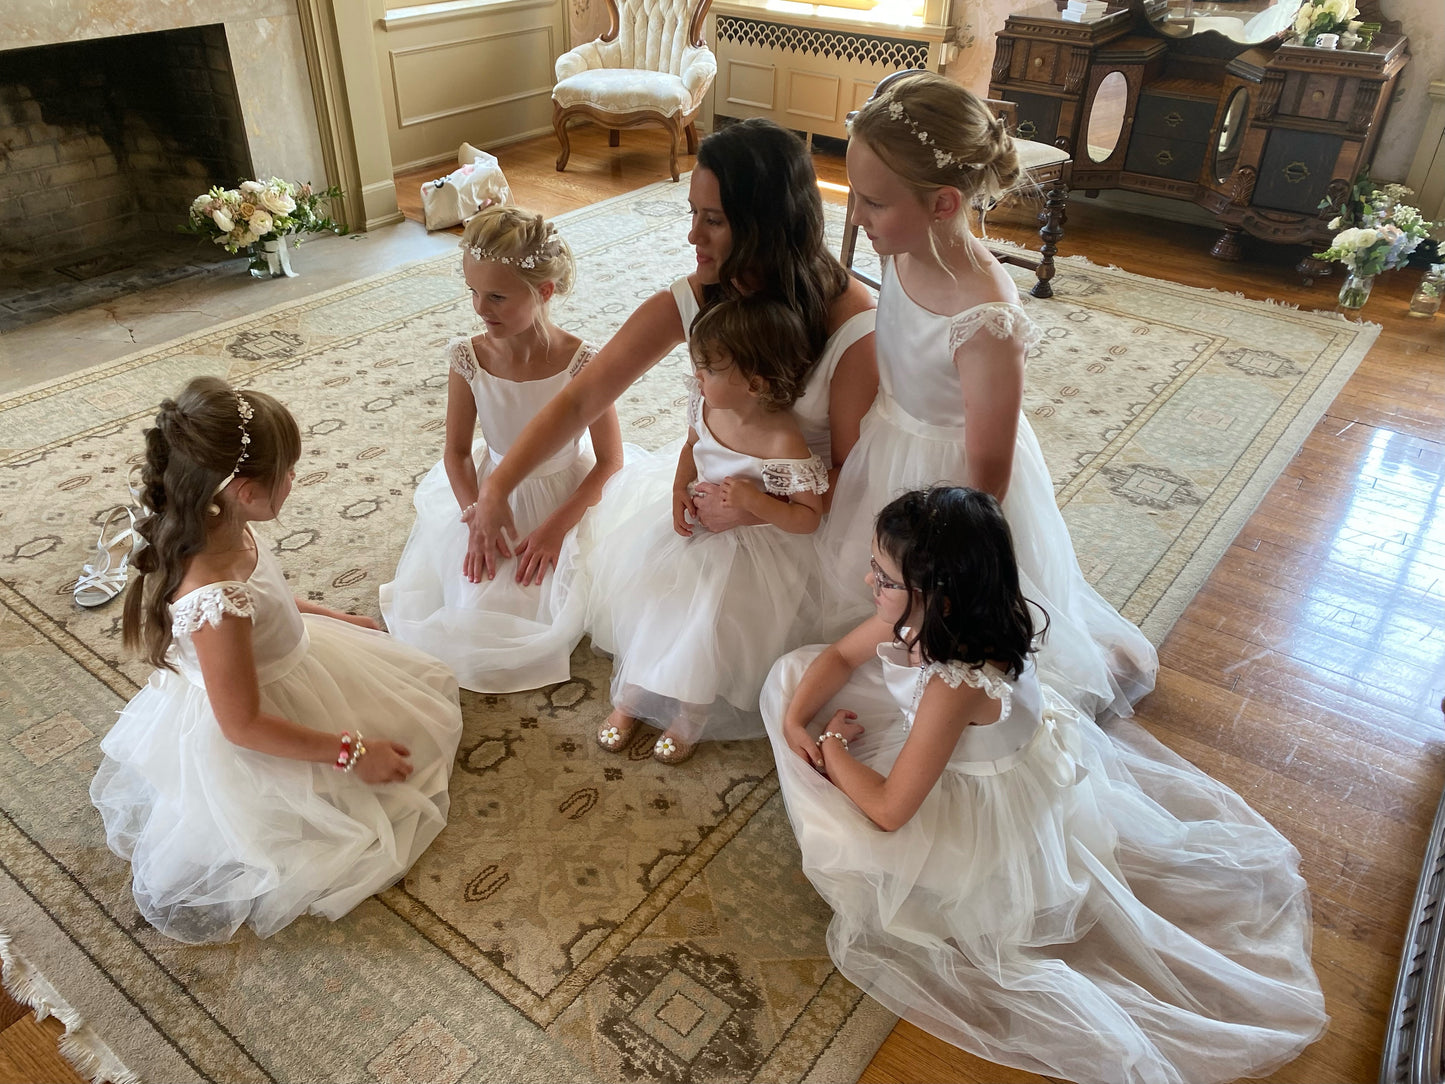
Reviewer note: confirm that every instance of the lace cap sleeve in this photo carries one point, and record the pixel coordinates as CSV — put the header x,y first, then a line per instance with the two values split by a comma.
x,y
988,677
784,476
585,353
208,605
1002,319
461,360
694,402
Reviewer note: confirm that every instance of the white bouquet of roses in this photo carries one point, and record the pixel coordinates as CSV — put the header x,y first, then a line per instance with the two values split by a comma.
x,y
1383,241
1316,17
257,211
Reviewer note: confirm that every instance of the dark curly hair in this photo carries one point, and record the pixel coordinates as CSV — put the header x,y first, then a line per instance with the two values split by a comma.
x,y
770,197
955,549
195,443
763,338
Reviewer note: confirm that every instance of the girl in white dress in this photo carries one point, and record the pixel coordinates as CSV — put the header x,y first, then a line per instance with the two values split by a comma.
x,y
694,619
1068,900
498,616
951,343
283,758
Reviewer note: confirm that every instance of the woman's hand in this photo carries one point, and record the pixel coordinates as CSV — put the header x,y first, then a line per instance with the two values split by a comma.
x,y
683,506
714,514
489,523
384,762
538,552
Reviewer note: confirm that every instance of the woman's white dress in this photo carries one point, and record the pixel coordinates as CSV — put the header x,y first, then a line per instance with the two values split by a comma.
x,y
693,624
1070,901
497,635
912,438
218,835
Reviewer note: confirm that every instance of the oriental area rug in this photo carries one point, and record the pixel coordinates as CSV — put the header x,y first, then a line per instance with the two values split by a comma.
x,y
585,916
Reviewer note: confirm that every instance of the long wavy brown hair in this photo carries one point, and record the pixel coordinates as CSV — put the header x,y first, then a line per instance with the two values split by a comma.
x,y
194,444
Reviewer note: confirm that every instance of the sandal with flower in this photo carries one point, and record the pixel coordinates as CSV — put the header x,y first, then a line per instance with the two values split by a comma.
x,y
615,734
104,578
671,750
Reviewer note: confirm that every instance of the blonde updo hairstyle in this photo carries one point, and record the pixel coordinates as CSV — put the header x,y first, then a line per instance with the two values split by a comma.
x,y
933,134
527,244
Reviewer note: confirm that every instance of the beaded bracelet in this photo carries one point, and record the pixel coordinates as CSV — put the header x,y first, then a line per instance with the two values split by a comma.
x,y
352,750
358,750
831,734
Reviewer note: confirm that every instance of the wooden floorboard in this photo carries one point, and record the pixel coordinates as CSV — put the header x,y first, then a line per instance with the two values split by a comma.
x,y
1307,672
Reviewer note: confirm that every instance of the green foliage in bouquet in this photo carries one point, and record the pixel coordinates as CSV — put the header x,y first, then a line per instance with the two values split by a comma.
x,y
256,211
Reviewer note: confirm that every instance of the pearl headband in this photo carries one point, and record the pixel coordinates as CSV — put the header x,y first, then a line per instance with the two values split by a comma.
x,y
246,412
941,158
529,261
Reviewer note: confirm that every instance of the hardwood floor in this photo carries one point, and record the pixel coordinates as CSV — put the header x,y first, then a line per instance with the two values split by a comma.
x,y
1306,674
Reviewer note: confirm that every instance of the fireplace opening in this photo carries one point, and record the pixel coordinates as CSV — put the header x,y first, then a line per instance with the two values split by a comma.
x,y
103,145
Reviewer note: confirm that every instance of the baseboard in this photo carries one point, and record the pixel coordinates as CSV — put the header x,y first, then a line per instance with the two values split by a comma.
x,y
378,204
450,160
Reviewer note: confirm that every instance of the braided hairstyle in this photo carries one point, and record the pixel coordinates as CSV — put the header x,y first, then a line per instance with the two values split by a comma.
x,y
194,444
955,550
528,245
934,133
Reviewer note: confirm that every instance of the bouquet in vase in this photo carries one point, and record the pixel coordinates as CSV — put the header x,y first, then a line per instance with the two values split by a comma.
x,y
1388,233
258,215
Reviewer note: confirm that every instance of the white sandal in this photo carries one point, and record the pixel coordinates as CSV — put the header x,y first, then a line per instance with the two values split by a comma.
x,y
105,577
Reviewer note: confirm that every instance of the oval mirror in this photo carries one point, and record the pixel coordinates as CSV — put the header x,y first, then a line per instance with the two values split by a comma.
x,y
1231,134
1106,116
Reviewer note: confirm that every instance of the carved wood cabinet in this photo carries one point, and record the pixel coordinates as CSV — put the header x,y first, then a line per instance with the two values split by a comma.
x,y
1257,135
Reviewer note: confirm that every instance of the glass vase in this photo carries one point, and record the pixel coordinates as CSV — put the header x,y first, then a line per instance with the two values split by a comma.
x,y
1355,291
1426,302
270,259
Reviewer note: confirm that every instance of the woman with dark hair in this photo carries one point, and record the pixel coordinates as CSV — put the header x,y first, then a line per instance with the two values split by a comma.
x,y
757,228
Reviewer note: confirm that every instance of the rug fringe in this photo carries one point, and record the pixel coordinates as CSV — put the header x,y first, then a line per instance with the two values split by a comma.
x,y
80,1046
1337,317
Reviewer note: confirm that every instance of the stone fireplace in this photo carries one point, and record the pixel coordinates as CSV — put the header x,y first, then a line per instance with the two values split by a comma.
x,y
114,116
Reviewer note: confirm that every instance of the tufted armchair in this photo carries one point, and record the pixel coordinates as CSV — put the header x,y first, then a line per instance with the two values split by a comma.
x,y
651,67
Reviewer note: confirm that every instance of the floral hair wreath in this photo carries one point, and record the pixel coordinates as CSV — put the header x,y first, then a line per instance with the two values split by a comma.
x,y
941,158
528,260
245,412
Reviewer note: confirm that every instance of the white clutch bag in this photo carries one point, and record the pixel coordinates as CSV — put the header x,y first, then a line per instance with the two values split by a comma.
x,y
451,200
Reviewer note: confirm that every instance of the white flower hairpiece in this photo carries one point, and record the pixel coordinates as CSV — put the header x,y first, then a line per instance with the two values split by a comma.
x,y
246,412
941,158
529,261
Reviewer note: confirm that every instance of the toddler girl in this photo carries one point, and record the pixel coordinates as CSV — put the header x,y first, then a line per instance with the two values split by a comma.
x,y
951,341
1039,891
691,617
283,758
501,619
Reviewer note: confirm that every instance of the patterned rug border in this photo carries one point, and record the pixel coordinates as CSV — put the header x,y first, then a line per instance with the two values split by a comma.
x,y
850,1048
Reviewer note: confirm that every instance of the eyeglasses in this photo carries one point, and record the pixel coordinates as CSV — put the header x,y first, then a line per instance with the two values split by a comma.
x,y
881,580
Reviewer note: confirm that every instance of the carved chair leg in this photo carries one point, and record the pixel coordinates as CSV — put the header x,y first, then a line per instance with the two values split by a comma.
x,y
1051,230
674,131
691,132
614,137
559,126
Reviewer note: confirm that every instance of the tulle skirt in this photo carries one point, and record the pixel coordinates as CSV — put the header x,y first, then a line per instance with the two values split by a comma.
x,y
1125,919
498,636
1091,655
693,624
218,835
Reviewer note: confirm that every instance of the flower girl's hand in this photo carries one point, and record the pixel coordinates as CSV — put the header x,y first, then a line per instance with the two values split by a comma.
x,y
739,493
384,762
360,621
538,552
682,507
802,743
843,722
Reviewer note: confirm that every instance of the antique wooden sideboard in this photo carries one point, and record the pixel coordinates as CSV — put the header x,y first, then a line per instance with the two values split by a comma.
x,y
1259,134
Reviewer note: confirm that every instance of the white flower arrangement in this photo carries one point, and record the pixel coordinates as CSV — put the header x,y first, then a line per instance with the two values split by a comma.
x,y
1386,237
1316,17
256,211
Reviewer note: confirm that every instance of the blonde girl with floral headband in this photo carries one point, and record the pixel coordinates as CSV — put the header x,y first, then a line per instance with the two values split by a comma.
x,y
497,614
952,338
283,758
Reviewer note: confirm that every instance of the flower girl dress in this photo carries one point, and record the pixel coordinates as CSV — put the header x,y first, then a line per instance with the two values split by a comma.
x,y
695,623
218,835
497,635
1070,901
912,438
